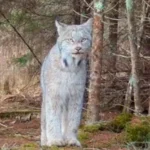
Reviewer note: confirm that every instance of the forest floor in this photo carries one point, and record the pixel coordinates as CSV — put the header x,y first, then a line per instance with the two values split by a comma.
x,y
20,128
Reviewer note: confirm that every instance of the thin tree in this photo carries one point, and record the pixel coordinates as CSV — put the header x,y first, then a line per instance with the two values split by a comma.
x,y
134,79
113,32
77,9
93,108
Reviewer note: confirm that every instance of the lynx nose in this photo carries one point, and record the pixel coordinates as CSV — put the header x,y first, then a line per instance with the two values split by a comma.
x,y
78,48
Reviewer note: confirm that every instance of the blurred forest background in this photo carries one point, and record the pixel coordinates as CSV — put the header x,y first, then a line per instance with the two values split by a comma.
x,y
27,33
34,20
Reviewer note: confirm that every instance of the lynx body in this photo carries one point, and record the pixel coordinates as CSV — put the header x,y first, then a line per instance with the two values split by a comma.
x,y
63,78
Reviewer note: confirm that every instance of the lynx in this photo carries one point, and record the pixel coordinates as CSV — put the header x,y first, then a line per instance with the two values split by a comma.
x,y
63,78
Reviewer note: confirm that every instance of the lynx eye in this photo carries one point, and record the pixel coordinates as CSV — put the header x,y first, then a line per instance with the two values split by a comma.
x,y
70,40
84,39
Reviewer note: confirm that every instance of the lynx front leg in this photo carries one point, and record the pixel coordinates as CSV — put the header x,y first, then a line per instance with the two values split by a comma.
x,y
53,121
74,116
43,124
64,119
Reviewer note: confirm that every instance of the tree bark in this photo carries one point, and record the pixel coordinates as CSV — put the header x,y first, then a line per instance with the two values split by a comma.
x,y
134,55
113,33
77,9
96,64
149,107
128,98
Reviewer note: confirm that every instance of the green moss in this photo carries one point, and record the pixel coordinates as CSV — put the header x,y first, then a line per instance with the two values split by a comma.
x,y
29,146
119,123
51,148
17,16
138,132
83,136
94,128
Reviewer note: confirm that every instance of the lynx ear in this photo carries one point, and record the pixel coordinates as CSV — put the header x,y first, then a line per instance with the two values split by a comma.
x,y
88,24
60,27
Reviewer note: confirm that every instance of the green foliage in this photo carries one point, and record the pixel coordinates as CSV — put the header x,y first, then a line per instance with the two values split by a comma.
x,y
32,26
22,61
18,16
120,122
22,20
4,25
138,132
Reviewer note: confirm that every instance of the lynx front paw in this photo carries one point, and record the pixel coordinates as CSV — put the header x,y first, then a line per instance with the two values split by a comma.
x,y
72,141
56,142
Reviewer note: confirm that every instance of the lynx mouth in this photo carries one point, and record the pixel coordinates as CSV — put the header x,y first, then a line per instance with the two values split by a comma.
x,y
78,53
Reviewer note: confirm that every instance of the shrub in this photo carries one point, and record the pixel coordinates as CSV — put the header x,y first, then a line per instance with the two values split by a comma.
x,y
138,132
119,123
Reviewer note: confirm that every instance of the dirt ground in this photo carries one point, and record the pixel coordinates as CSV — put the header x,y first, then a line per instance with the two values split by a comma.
x,y
20,128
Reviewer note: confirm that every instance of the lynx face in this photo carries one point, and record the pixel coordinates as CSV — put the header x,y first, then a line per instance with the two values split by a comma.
x,y
74,40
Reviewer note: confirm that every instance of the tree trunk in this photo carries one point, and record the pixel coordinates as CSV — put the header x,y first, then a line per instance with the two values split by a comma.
x,y
142,25
134,55
148,106
96,64
128,98
113,33
77,5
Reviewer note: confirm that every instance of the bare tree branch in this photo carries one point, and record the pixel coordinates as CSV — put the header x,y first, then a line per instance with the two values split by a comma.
x,y
17,32
142,25
80,14
146,3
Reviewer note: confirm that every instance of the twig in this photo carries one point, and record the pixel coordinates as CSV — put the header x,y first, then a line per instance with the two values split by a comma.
x,y
7,97
140,55
122,106
43,15
3,125
14,28
119,55
89,5
146,3
80,14
145,57
111,8
114,18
